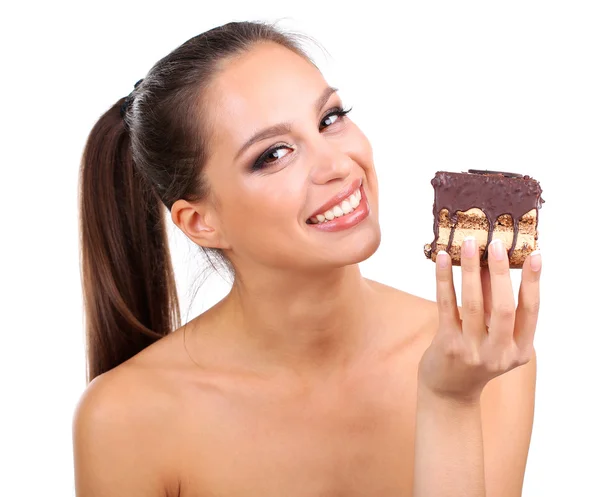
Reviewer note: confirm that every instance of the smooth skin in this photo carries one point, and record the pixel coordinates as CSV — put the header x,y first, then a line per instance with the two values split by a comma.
x,y
308,379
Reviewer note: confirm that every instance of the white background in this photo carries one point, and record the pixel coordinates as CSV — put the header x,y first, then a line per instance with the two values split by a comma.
x,y
511,85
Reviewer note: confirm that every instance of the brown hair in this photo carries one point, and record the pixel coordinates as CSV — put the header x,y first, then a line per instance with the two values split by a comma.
x,y
133,167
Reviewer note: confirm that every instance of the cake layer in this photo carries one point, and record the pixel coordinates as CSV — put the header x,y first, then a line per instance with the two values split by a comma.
x,y
476,219
473,222
526,243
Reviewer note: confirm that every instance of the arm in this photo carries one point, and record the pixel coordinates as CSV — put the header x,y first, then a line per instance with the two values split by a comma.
x,y
507,405
113,453
454,417
448,447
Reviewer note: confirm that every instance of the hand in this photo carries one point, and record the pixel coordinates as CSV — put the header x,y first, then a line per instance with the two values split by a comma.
x,y
466,354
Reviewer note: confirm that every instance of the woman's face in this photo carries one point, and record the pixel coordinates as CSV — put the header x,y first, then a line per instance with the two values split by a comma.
x,y
282,151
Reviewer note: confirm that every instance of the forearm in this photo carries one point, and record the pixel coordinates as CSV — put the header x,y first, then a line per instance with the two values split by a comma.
x,y
448,448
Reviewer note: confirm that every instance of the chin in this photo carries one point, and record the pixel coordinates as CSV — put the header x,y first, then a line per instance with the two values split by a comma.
x,y
367,244
358,248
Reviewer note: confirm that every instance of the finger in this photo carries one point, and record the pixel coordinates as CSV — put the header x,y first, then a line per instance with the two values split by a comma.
x,y
529,302
445,294
502,320
473,325
487,294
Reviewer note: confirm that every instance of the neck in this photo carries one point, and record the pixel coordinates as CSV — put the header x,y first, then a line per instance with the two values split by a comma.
x,y
303,321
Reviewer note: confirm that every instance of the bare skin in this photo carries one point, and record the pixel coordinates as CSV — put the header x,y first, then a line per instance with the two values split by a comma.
x,y
304,380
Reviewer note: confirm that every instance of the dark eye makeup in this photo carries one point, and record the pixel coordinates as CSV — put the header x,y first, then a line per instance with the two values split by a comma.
x,y
270,156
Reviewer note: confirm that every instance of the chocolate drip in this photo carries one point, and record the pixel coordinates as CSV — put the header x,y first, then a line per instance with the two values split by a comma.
x,y
453,221
495,193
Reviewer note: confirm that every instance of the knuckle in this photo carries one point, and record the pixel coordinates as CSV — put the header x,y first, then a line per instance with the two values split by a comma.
x,y
446,302
470,266
504,359
499,365
492,368
500,270
473,359
473,307
532,307
451,349
444,276
525,356
504,310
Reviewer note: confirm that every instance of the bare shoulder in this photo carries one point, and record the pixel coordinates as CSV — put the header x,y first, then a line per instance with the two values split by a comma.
x,y
410,313
120,432
140,388
401,297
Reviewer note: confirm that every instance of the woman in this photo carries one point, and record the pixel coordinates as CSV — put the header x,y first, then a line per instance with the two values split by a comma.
x,y
306,379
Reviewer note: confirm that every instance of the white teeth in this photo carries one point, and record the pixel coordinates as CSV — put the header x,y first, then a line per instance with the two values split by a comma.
x,y
345,207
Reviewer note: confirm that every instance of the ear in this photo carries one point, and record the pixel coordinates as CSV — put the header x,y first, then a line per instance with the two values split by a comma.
x,y
198,221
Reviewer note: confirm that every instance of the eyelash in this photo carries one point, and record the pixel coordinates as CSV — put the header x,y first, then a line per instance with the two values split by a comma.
x,y
260,163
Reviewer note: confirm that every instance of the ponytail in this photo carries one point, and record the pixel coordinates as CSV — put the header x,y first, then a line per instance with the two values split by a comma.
x,y
129,292
130,176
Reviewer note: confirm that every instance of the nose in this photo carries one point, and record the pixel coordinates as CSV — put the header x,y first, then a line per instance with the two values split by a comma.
x,y
330,163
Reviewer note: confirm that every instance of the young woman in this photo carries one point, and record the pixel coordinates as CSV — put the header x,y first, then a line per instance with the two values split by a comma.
x,y
306,379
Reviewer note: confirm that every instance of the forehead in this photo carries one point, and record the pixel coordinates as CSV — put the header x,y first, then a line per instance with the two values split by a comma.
x,y
265,86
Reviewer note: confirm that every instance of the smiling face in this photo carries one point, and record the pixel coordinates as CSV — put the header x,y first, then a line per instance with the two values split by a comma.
x,y
282,150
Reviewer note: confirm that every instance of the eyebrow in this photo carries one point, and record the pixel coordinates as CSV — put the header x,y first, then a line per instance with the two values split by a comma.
x,y
283,128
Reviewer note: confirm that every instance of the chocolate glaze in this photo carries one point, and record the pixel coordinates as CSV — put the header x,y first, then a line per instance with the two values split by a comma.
x,y
494,192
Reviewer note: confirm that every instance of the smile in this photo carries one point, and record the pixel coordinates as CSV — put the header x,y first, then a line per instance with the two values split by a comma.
x,y
346,214
346,206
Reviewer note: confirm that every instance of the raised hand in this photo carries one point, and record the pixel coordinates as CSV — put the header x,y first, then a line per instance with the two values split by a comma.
x,y
465,353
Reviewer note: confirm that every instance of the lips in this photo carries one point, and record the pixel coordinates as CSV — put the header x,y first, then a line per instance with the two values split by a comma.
x,y
343,194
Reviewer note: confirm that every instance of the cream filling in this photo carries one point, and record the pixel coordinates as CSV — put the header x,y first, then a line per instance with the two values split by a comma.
x,y
524,241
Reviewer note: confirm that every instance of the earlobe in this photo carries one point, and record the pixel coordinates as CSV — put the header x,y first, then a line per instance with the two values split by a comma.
x,y
196,222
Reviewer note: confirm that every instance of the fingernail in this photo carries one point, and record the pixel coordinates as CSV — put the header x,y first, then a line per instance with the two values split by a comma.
x,y
535,260
497,249
469,246
443,259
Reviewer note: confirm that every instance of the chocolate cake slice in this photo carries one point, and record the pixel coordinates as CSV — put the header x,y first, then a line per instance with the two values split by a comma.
x,y
486,205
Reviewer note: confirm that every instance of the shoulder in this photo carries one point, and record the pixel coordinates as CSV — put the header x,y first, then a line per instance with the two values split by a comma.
x,y
399,297
119,395
140,389
120,434
409,323
409,311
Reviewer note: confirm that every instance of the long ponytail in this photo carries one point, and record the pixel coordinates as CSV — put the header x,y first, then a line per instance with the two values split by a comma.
x,y
135,165
129,289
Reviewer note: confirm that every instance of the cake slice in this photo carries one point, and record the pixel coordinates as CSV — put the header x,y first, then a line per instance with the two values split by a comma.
x,y
486,205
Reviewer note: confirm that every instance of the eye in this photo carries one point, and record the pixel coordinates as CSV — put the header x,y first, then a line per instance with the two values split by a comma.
x,y
333,116
271,156
274,154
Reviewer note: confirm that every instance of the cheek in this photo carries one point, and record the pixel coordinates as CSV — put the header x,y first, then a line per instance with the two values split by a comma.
x,y
264,227
361,152
359,148
270,206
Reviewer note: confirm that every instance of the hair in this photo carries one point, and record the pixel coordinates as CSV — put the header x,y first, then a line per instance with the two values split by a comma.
x,y
135,166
